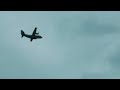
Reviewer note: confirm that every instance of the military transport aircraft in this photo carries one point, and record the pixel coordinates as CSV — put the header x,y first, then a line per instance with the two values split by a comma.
x,y
33,36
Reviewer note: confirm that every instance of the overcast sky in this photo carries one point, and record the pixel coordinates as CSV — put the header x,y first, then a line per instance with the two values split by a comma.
x,y
75,44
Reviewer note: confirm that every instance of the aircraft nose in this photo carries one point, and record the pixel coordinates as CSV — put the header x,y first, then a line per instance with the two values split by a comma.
x,y
40,36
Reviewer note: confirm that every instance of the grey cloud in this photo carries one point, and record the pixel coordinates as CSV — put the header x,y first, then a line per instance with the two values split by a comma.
x,y
74,45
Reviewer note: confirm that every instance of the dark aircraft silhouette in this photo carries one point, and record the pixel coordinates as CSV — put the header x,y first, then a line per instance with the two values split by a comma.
x,y
33,36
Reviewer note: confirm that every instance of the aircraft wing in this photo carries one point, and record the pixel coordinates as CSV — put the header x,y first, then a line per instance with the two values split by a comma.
x,y
34,32
31,39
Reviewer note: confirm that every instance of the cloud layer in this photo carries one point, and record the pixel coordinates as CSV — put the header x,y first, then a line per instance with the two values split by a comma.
x,y
74,45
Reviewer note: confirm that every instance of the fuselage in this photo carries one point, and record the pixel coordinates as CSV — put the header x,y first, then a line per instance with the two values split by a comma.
x,y
33,37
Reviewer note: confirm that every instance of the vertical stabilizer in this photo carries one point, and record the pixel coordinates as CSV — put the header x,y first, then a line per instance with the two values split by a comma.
x,y
22,33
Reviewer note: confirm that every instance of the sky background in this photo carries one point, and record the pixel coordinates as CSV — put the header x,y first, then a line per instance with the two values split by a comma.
x,y
75,45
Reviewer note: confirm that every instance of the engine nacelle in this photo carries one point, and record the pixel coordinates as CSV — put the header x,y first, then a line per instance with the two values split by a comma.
x,y
37,33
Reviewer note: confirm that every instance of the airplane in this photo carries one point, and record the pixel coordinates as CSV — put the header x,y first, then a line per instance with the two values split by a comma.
x,y
33,36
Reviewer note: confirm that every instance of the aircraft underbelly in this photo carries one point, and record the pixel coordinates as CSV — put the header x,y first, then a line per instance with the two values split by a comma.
x,y
34,37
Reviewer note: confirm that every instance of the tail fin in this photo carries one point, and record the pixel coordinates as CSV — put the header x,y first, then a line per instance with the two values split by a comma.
x,y
22,33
